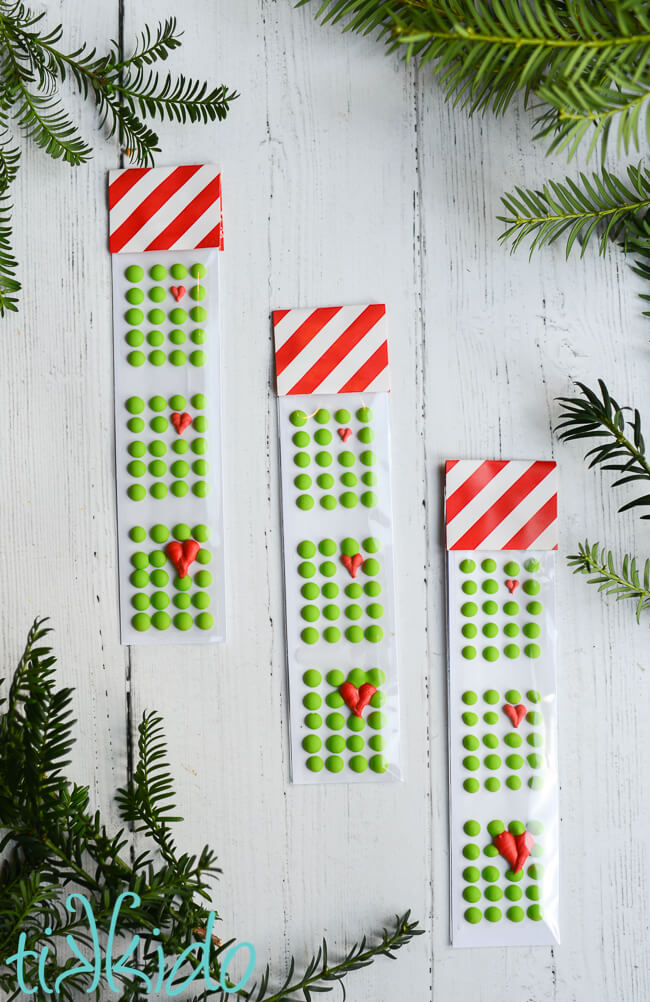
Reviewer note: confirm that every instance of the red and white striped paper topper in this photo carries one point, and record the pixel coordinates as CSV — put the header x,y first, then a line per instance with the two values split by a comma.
x,y
501,505
165,208
337,349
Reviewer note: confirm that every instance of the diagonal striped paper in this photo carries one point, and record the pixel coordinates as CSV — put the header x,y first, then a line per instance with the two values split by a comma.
x,y
338,349
165,208
501,505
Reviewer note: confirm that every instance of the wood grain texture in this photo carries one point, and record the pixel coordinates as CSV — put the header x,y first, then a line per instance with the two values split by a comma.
x,y
346,179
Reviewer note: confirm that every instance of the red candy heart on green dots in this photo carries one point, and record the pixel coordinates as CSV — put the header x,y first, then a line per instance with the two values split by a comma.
x,y
345,433
516,713
357,699
515,849
181,421
182,555
512,585
178,291
352,564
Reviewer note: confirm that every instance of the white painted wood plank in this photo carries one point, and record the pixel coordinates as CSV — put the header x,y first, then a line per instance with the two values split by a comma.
x,y
57,502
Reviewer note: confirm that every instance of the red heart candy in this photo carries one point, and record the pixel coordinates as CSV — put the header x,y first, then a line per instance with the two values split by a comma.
x,y
182,555
511,585
181,421
178,291
352,564
507,847
524,843
357,699
516,713
345,433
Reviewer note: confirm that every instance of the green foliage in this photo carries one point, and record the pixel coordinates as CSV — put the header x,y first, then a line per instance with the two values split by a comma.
x,y
53,843
601,417
125,91
627,583
585,64
595,416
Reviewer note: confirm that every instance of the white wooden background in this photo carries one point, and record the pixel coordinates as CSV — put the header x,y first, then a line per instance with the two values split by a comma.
x,y
346,179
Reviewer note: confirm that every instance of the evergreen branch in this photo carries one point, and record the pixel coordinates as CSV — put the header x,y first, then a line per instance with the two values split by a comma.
x,y
602,417
51,842
320,976
179,100
9,285
152,46
483,53
618,106
624,584
601,205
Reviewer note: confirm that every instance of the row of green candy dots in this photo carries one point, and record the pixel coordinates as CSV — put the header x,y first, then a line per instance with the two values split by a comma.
x,y
335,721
330,590
157,448
158,577
490,874
156,316
510,569
490,586
514,760
323,459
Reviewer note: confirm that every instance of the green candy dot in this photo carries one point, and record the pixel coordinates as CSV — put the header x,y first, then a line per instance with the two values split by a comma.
x,y
469,653
469,609
532,650
513,696
134,273
137,534
358,763
159,533
181,532
473,915
353,611
534,718
140,601
369,499
348,499
137,449
159,578
535,912
489,565
158,272
471,785
364,414
349,546
157,294
471,762
335,743
157,357
355,743
495,827
322,416
158,491
161,620
334,763
314,763
534,696
134,317
182,601
471,894
512,569
179,488
313,721
532,587
335,677
328,568
306,549
354,634
198,292
491,874
511,630
514,761
332,634
310,613
491,696
136,492
342,416
375,610
135,358
490,740
330,590
366,435
534,608
158,468
374,634
469,697
511,608
178,271
353,590
298,418
511,651
305,502
335,721
471,874
312,677
302,481
493,914
513,782
492,762
198,270
346,458
160,600
378,764
309,635
312,701
491,718
492,784
323,436
490,608
491,653
513,893
348,479
312,743
470,719
141,622
135,405
198,358
301,438
469,631
515,913
469,587
324,459
470,742
134,338
532,631
331,612
467,566
490,586
472,828
371,567
532,565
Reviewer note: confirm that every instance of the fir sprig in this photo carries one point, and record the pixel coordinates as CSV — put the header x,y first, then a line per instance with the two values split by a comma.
x,y
53,843
628,583
602,417
125,90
